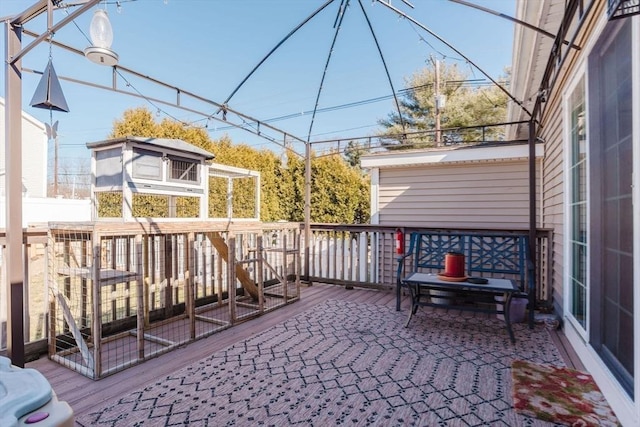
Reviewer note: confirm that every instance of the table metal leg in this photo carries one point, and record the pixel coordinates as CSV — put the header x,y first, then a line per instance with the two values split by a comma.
x,y
507,317
415,300
411,311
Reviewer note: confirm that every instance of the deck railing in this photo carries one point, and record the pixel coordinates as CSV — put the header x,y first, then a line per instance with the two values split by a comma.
x,y
167,256
157,285
35,272
365,255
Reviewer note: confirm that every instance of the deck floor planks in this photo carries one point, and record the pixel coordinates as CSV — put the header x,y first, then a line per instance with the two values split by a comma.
x,y
83,394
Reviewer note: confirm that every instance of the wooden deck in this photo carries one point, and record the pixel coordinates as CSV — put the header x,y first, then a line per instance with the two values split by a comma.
x,y
83,394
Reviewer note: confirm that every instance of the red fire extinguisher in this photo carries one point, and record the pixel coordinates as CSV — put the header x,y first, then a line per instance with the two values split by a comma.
x,y
399,242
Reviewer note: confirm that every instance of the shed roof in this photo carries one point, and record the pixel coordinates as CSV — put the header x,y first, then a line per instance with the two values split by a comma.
x,y
173,144
447,155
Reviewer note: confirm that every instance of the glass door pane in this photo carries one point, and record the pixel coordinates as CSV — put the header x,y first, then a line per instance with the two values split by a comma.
x,y
611,246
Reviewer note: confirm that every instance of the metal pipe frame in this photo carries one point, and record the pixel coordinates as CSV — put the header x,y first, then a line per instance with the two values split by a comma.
x,y
13,159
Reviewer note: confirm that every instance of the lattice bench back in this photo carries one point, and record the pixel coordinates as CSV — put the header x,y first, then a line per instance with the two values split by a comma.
x,y
488,254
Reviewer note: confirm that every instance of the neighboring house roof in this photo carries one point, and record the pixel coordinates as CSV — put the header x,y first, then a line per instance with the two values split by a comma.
x,y
172,144
463,154
25,117
3,174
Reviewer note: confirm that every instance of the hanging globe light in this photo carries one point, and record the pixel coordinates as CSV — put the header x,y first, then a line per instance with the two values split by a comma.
x,y
101,37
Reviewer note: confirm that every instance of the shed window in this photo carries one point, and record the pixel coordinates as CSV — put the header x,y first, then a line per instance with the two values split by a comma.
x,y
108,168
182,169
147,164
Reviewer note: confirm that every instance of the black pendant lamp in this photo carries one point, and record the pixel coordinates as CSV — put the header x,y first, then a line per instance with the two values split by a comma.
x,y
49,94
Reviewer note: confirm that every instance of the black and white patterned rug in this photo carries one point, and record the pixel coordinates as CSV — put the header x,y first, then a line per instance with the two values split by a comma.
x,y
346,363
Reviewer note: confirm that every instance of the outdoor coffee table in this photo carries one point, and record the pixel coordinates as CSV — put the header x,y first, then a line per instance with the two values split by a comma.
x,y
419,285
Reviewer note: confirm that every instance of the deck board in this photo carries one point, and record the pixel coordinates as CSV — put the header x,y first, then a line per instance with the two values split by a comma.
x,y
83,394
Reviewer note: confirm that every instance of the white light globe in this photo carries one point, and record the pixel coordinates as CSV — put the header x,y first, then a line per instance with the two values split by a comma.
x,y
100,29
101,37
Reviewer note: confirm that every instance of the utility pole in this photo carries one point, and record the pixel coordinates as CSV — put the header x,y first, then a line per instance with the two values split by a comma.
x,y
52,135
436,92
55,167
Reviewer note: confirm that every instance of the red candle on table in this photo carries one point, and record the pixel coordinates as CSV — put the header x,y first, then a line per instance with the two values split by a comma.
x,y
454,264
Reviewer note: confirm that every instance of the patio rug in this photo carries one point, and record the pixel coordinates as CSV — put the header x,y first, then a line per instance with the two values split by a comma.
x,y
559,394
346,363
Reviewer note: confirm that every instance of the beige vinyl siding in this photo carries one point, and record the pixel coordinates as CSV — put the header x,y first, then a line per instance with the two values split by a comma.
x,y
491,195
552,131
554,197
552,204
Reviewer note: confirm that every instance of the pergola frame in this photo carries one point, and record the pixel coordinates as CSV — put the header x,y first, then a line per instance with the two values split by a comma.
x,y
14,53
13,158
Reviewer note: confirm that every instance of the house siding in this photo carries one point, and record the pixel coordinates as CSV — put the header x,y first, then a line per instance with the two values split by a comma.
x,y
552,131
483,195
34,155
552,205
554,199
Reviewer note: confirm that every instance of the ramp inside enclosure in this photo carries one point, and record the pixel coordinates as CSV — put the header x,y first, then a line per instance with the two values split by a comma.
x,y
487,254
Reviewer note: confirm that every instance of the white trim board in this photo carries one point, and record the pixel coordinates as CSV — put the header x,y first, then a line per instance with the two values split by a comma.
x,y
441,156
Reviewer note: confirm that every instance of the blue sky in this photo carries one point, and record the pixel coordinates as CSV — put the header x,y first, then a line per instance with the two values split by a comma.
x,y
209,46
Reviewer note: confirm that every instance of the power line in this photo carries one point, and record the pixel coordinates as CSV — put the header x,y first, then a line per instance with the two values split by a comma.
x,y
466,83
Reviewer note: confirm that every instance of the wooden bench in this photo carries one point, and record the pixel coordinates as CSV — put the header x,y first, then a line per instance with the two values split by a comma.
x,y
488,254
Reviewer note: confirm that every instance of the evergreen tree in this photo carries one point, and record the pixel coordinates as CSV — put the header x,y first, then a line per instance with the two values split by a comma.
x,y
466,105
339,189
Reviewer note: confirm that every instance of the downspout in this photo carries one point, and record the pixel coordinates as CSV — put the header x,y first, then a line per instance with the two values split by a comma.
x,y
532,221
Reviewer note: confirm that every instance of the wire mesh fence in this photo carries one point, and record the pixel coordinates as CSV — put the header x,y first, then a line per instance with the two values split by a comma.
x,y
119,296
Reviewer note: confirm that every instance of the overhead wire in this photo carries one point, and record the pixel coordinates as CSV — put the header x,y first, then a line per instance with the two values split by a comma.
x,y
384,63
422,39
468,82
246,125
280,43
127,82
256,125
399,12
341,12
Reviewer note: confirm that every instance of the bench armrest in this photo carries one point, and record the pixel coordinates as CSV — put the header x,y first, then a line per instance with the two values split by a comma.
x,y
399,274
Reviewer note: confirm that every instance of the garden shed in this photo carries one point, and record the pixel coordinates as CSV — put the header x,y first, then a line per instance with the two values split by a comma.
x,y
479,186
173,174
154,166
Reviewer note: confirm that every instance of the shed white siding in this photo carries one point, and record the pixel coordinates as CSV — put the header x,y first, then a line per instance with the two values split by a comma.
x,y
458,187
492,195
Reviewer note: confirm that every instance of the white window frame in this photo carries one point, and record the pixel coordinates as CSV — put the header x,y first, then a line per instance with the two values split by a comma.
x,y
580,74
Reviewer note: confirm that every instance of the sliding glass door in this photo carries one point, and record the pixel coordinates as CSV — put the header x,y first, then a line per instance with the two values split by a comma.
x,y
610,202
